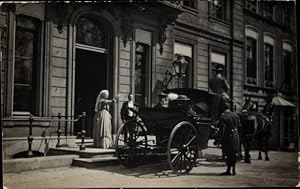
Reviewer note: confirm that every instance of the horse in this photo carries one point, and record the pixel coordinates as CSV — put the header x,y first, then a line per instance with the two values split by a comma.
x,y
256,127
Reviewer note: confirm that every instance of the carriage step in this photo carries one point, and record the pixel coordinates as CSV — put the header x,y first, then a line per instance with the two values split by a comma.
x,y
87,153
94,162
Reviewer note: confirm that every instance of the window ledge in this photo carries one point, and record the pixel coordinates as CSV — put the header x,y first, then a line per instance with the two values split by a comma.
x,y
218,20
268,21
249,86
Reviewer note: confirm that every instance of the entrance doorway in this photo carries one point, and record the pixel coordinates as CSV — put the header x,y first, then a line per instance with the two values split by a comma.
x,y
91,76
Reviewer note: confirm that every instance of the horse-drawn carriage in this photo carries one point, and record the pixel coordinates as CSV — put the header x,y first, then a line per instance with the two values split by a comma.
x,y
180,131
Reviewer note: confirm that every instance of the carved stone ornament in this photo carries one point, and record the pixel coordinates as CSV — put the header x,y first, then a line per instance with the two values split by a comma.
x,y
126,30
162,37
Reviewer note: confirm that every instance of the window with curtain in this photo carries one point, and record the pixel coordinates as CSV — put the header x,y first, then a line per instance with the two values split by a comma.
x,y
269,65
251,60
25,68
217,9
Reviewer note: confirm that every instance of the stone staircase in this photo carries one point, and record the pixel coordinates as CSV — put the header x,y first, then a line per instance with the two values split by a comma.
x,y
65,156
90,157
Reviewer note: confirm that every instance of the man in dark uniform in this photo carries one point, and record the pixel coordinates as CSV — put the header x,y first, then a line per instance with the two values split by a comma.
x,y
229,124
126,113
220,87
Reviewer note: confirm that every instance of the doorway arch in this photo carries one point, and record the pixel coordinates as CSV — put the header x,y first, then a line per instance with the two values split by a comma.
x,y
93,65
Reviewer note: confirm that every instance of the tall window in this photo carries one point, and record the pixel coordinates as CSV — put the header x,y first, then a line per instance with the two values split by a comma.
x,y
269,43
251,5
287,65
217,8
184,51
25,68
3,57
141,57
269,64
269,10
287,15
251,56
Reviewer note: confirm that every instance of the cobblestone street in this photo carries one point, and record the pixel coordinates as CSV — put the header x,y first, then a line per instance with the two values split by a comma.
x,y
282,170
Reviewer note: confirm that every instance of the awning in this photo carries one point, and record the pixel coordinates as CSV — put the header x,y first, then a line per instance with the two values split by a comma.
x,y
279,101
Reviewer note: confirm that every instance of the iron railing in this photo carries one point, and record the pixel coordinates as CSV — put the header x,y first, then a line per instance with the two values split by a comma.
x,y
59,120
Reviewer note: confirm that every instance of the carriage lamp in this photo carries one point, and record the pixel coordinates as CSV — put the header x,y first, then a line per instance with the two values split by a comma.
x,y
180,65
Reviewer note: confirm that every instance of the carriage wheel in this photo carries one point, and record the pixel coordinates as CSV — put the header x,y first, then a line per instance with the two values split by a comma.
x,y
131,143
183,148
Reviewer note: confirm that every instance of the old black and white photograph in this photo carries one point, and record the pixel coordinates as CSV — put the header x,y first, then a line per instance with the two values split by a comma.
x,y
149,94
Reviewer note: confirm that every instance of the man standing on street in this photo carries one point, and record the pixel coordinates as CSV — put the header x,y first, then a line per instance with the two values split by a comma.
x,y
229,124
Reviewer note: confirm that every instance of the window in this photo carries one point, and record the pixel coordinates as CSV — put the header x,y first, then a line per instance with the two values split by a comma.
x,y
3,56
141,57
92,33
25,68
286,15
218,60
251,59
269,65
287,66
251,5
217,8
185,52
269,10
269,43
190,3
142,67
251,55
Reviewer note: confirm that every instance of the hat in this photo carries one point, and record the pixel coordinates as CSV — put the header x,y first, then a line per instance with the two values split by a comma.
x,y
182,97
218,69
163,94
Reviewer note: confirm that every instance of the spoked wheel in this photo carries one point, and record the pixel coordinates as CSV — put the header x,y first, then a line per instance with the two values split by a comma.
x,y
131,143
183,148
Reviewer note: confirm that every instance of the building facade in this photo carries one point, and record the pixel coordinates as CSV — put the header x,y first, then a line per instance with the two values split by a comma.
x,y
270,60
57,57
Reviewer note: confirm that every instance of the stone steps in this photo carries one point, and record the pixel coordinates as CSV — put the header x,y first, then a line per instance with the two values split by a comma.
x,y
34,163
95,162
90,157
89,152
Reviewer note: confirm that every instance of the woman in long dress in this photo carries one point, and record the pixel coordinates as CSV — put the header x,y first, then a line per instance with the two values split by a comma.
x,y
102,121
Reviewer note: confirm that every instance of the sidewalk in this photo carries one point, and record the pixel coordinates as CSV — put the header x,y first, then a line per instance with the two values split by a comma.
x,y
282,170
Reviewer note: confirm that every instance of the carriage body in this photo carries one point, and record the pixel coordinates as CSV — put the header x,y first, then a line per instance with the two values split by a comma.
x,y
179,130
